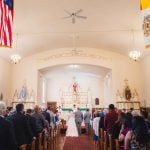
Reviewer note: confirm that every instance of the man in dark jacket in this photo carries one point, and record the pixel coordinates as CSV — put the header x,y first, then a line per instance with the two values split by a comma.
x,y
32,121
7,137
46,116
40,121
22,128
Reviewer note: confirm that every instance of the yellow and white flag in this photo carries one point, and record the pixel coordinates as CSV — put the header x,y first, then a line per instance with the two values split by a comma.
x,y
145,8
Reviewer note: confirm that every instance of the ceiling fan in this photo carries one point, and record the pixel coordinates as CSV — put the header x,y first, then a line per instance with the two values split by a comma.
x,y
74,15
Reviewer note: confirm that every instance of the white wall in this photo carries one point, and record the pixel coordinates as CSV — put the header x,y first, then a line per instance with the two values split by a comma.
x,y
145,66
25,71
5,82
122,67
107,90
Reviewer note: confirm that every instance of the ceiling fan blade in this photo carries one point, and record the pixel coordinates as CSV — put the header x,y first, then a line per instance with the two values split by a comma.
x,y
82,17
73,20
80,10
68,12
65,17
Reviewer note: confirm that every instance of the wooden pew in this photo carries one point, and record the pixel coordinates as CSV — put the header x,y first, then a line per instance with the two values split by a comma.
x,y
49,144
101,134
50,140
105,140
23,147
110,142
39,142
117,145
106,143
33,144
45,143
54,137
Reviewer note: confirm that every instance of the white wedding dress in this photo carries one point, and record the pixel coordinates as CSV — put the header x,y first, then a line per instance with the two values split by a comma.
x,y
72,128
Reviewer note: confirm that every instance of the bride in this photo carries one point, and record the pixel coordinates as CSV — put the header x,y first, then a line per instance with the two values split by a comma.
x,y
72,129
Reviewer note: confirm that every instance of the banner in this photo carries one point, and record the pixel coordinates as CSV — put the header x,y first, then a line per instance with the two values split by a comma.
x,y
145,8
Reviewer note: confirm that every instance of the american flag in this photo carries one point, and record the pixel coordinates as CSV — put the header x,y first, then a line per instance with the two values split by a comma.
x,y
6,18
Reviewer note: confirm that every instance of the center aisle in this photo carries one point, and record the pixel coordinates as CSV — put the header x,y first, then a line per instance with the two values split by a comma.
x,y
82,142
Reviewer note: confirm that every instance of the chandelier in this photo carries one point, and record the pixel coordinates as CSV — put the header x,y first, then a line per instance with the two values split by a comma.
x,y
135,55
15,58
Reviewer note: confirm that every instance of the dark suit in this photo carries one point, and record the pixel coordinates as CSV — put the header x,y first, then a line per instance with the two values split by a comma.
x,y
22,128
40,122
78,120
87,118
46,116
32,123
7,137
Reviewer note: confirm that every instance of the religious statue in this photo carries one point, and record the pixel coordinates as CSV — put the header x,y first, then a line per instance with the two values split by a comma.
x,y
23,91
75,86
127,93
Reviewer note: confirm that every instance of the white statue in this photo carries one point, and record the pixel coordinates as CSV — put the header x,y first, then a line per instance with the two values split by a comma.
x,y
23,95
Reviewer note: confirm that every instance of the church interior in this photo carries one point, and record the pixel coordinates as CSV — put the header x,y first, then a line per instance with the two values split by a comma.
x,y
67,55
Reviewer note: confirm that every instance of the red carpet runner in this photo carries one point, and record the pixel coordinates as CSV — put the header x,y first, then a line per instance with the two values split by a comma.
x,y
78,143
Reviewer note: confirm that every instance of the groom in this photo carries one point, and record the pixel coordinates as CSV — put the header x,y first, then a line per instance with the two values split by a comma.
x,y
78,119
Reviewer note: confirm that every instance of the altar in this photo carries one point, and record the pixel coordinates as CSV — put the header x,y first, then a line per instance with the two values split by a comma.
x,y
80,99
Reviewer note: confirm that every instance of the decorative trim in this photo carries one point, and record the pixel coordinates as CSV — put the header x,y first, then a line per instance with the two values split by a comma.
x,y
77,54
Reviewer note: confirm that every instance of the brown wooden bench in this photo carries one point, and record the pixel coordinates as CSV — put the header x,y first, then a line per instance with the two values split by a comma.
x,y
39,145
23,147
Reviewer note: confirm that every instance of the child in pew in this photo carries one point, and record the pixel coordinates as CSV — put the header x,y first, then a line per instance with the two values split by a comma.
x,y
96,121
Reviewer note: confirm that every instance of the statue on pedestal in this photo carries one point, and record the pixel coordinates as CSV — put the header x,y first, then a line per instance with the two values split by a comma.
x,y
75,86
74,89
23,92
127,93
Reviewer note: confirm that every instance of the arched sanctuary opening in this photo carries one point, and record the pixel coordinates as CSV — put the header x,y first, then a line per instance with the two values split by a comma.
x,y
83,85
